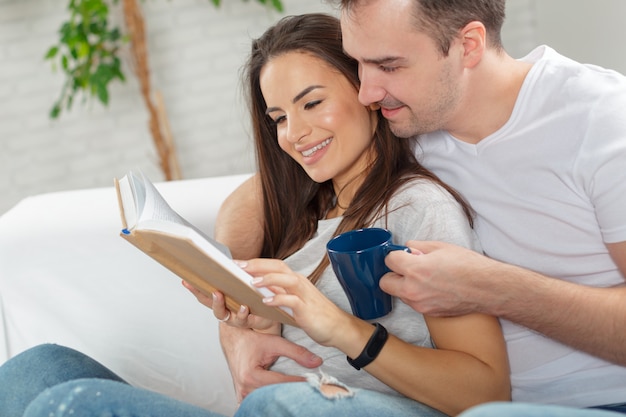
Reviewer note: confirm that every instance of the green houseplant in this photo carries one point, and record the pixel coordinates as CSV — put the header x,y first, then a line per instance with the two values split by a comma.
x,y
87,54
87,51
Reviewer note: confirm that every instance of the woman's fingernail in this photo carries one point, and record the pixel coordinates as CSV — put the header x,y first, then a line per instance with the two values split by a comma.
x,y
256,280
268,300
241,264
242,308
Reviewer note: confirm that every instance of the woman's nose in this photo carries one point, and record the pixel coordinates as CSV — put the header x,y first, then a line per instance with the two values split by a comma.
x,y
297,129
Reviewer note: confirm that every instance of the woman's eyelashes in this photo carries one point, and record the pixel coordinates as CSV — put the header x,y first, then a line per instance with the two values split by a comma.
x,y
311,104
307,106
278,120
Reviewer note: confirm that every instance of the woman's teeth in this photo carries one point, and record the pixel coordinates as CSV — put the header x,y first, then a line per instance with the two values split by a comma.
x,y
314,149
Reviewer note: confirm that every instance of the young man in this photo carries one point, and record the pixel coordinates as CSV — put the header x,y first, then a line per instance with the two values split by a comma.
x,y
537,146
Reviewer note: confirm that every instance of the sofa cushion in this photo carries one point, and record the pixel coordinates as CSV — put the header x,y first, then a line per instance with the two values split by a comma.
x,y
67,277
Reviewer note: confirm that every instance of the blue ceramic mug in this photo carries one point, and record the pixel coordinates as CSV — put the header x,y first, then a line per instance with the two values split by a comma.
x,y
358,259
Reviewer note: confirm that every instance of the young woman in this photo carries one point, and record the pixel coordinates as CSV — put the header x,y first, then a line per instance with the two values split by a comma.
x,y
327,164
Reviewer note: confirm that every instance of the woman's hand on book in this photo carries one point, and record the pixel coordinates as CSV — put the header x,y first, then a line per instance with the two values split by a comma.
x,y
319,317
240,318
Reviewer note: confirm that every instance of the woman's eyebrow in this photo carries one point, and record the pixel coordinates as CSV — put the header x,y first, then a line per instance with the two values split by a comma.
x,y
305,92
296,98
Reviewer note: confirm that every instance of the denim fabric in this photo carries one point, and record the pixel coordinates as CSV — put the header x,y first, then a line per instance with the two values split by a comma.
x,y
51,380
304,399
26,375
54,380
537,410
102,397
620,408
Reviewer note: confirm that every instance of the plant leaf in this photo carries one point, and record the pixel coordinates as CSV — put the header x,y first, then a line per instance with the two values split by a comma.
x,y
88,51
52,52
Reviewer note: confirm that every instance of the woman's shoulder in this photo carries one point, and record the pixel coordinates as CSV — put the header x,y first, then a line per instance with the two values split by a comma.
x,y
421,200
424,210
422,190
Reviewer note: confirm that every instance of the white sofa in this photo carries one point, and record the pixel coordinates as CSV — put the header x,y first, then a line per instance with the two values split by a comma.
x,y
67,277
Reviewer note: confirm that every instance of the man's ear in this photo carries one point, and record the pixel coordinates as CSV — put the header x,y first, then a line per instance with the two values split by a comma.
x,y
474,38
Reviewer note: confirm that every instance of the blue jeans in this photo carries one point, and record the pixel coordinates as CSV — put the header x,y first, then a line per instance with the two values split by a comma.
x,y
303,399
537,410
54,380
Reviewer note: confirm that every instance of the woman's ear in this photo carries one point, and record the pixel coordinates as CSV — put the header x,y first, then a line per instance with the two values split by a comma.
x,y
474,38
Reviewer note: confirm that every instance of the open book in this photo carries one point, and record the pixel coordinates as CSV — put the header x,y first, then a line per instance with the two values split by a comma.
x,y
151,225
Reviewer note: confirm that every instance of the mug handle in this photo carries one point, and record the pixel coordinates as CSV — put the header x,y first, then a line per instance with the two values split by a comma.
x,y
391,248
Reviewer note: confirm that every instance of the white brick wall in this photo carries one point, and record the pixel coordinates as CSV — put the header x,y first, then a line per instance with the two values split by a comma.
x,y
196,52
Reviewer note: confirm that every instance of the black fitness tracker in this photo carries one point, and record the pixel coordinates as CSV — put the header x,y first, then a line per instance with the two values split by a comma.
x,y
372,348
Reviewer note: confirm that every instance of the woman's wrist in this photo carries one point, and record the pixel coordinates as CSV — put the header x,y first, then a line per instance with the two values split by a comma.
x,y
352,335
371,350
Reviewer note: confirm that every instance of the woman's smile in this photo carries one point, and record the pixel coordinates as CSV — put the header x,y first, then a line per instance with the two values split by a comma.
x,y
314,149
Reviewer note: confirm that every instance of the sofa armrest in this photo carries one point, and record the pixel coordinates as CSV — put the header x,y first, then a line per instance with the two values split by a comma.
x,y
67,277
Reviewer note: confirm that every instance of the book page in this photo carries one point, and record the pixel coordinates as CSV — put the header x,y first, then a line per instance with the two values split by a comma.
x,y
155,208
138,191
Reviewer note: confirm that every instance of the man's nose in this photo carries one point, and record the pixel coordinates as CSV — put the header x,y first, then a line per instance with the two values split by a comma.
x,y
370,90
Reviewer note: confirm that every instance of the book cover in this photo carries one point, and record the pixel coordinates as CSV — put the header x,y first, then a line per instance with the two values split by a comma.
x,y
151,225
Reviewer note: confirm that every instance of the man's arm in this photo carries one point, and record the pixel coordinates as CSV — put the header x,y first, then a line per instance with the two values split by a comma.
x,y
449,280
239,222
249,354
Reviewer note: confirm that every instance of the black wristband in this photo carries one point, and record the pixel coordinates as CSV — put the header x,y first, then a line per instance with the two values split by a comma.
x,y
372,349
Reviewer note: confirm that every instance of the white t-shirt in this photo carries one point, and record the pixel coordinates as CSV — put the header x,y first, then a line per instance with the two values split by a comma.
x,y
549,190
419,210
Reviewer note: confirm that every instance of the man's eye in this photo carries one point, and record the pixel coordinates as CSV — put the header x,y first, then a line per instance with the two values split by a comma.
x,y
387,69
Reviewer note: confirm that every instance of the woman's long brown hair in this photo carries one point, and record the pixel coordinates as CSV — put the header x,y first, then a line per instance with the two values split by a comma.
x,y
292,202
